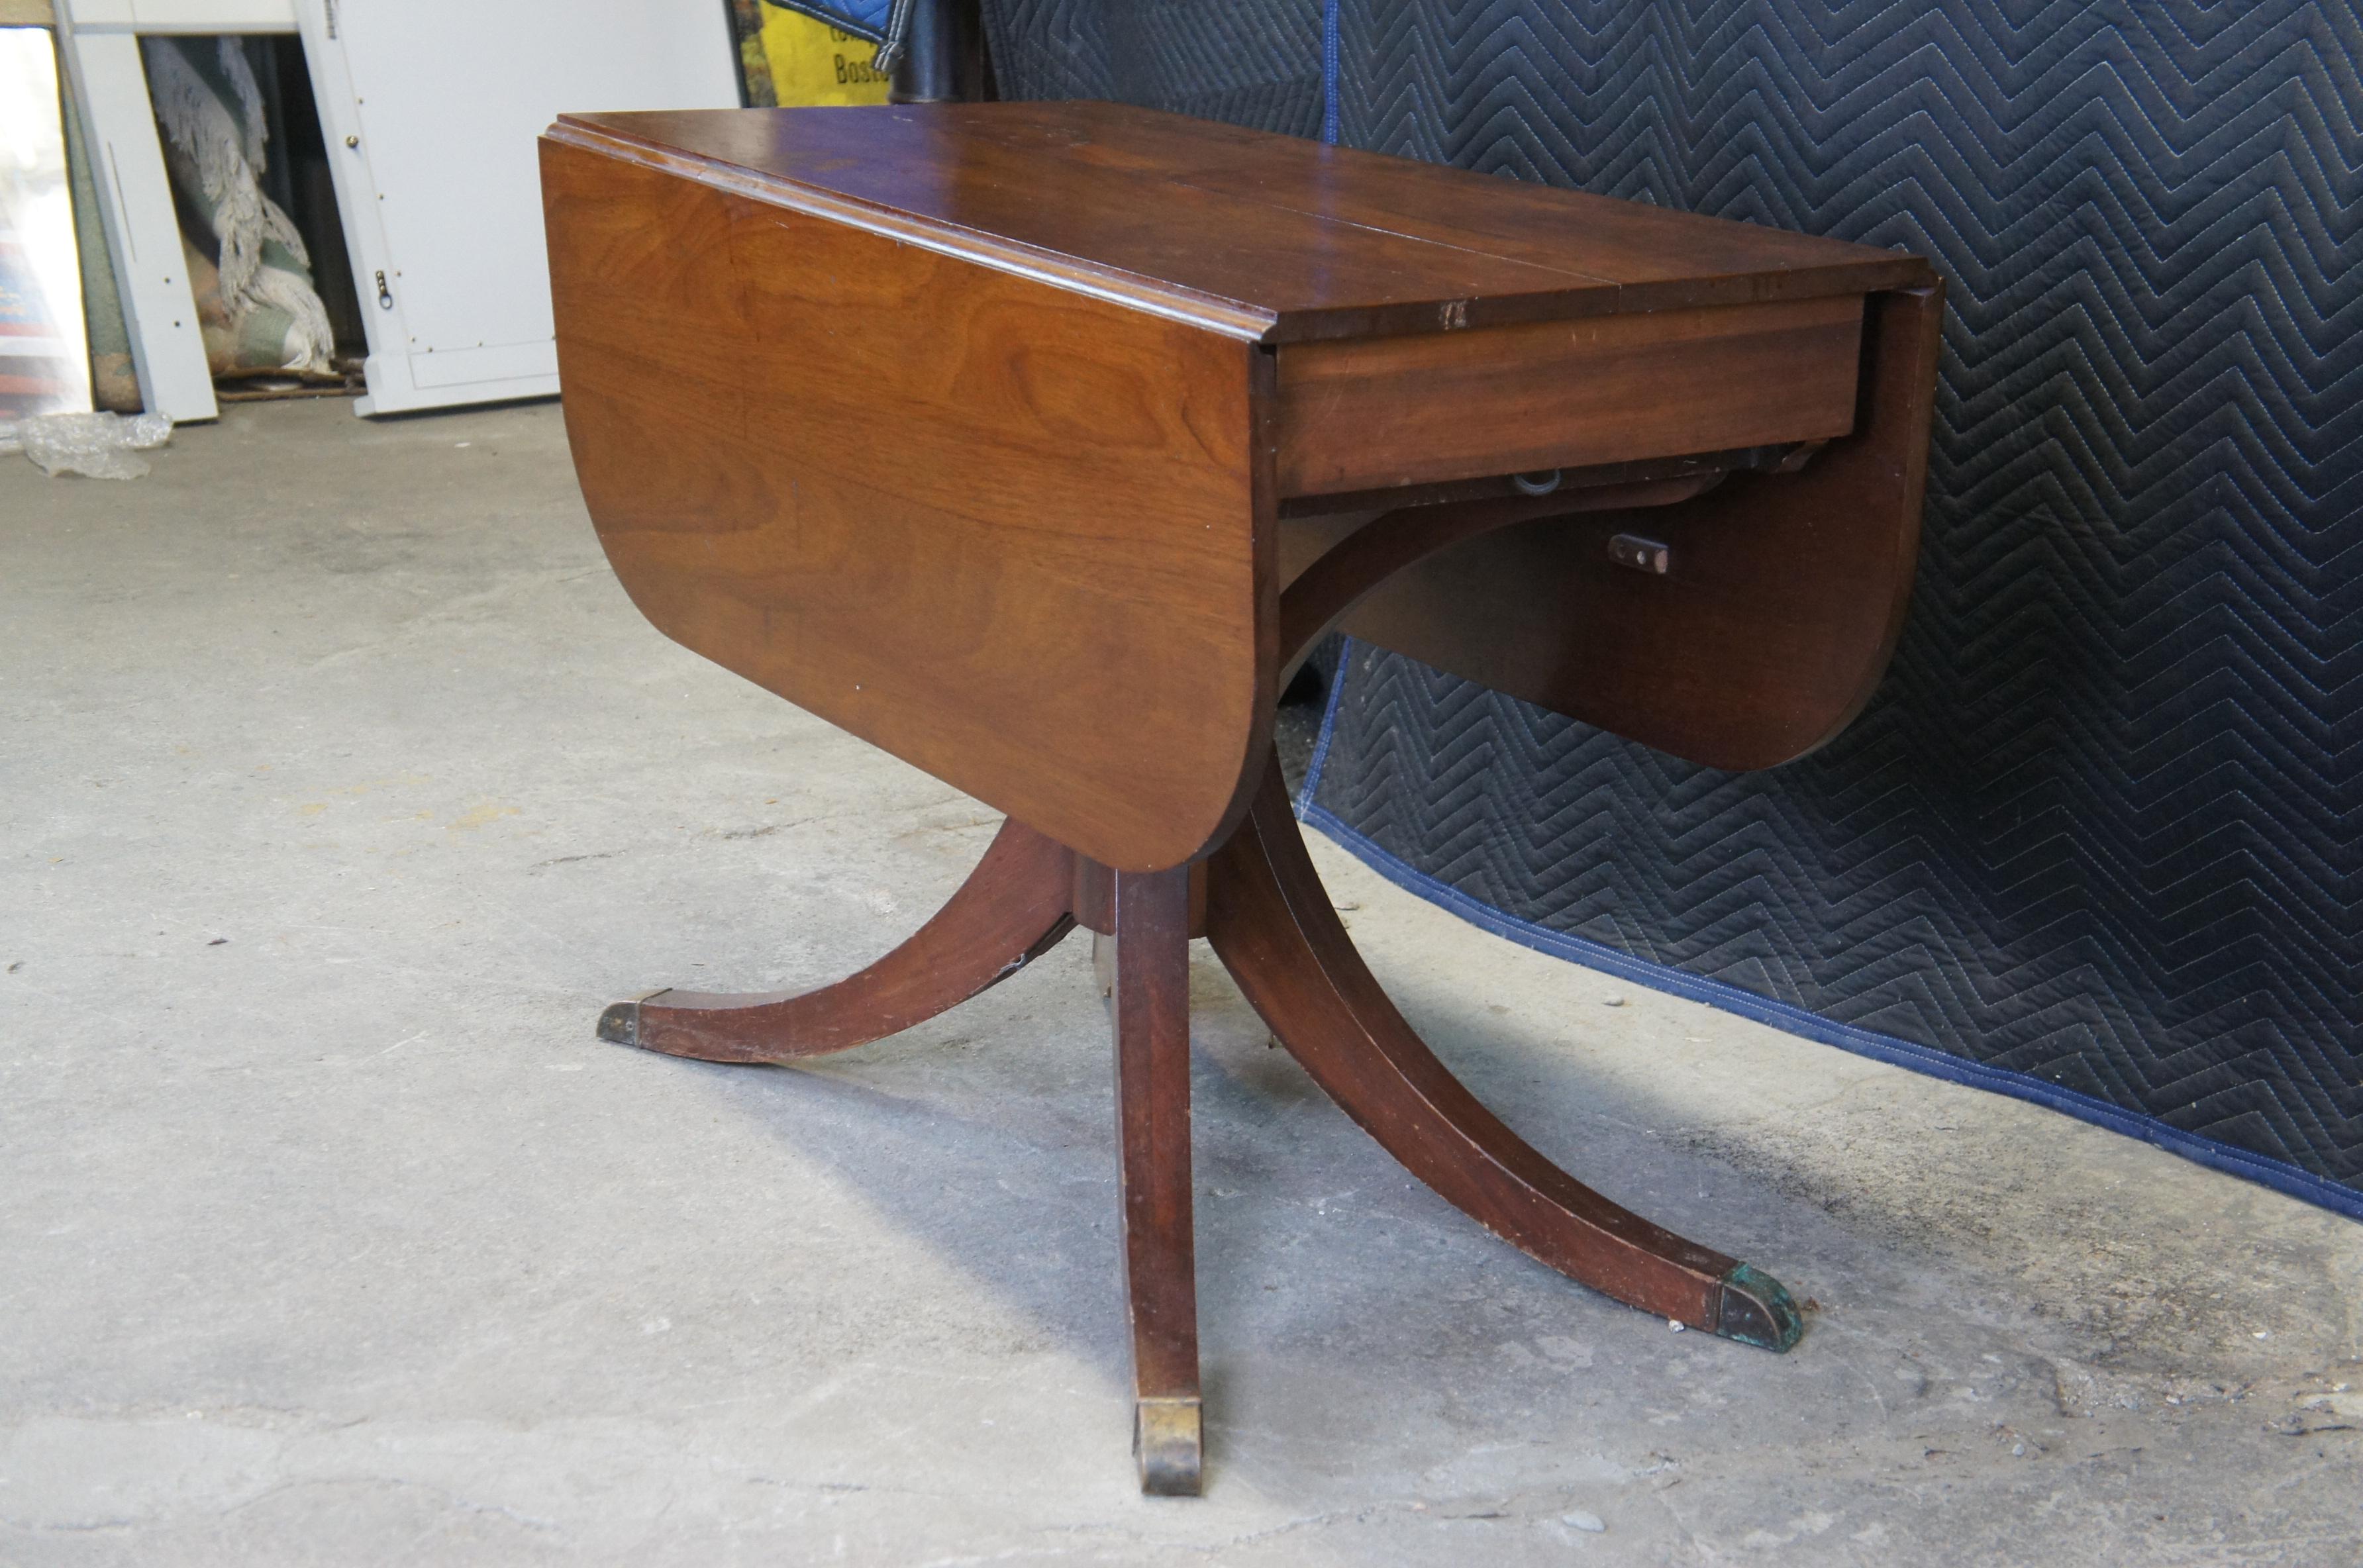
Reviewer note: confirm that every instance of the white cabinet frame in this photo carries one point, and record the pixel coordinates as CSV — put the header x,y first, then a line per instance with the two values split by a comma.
x,y
99,40
618,54
448,262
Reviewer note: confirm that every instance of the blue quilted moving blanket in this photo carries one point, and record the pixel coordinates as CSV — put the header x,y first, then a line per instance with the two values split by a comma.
x,y
2099,843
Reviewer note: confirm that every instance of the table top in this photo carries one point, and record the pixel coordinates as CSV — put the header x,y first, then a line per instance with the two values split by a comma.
x,y
970,430
1267,238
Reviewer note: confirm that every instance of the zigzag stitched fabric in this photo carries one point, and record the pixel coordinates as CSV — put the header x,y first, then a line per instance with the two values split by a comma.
x,y
2103,826
1251,63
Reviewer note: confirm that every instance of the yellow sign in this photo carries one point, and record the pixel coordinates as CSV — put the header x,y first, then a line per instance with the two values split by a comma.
x,y
812,62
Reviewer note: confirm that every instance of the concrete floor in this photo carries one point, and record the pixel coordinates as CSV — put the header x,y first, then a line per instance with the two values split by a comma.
x,y
341,787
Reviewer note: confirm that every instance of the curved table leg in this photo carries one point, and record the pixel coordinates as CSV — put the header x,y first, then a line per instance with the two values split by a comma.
x,y
1013,908
1149,997
1271,922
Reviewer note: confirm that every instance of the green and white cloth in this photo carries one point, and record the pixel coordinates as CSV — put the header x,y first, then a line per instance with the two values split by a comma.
x,y
253,283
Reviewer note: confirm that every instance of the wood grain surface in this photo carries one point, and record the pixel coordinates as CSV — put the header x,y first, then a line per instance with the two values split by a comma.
x,y
1013,908
1273,237
1149,999
1271,922
1373,413
967,426
1772,629
1017,536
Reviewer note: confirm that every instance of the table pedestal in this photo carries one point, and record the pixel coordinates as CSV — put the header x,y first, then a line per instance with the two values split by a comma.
x,y
1259,902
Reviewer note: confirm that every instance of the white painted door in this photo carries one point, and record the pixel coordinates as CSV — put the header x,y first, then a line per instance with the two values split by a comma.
x,y
432,108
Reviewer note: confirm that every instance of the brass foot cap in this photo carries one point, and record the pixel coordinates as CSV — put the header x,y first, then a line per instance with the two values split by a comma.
x,y
620,1024
1757,1310
1169,1436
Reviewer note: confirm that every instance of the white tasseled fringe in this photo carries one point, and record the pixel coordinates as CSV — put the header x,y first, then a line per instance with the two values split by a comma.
x,y
224,153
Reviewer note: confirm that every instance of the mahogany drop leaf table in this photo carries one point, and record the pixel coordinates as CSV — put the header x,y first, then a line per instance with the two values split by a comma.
x,y
1039,443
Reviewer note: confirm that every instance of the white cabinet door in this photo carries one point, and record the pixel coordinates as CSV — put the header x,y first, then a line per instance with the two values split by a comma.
x,y
432,108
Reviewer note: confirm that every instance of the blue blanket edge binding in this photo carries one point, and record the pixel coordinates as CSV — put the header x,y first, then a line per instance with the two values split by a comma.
x,y
2278,1175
